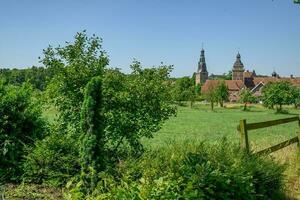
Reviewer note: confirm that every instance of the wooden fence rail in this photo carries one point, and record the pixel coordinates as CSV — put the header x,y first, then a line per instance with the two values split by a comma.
x,y
243,129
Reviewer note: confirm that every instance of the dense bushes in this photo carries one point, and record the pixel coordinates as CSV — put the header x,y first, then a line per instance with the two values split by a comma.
x,y
53,160
192,171
20,125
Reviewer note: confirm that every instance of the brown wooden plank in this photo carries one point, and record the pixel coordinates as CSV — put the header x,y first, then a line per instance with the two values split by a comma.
x,y
278,146
258,125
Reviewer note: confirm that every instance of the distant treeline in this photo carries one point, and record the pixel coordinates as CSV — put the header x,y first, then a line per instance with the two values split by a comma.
x,y
37,76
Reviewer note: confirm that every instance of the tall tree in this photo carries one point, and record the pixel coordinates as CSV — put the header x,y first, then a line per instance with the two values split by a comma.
x,y
73,66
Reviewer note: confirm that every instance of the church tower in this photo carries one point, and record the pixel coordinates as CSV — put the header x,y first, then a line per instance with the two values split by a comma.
x,y
202,74
238,69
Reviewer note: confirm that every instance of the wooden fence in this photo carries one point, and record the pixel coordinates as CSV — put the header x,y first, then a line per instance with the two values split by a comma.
x,y
244,127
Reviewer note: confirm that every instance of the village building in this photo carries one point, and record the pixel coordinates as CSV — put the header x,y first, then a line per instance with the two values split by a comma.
x,y
241,79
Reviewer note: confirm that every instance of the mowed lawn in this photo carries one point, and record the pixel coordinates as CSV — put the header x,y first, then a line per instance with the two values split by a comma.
x,y
201,124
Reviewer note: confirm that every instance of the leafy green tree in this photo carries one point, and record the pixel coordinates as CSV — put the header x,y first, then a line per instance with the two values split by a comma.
x,y
184,89
20,125
277,94
135,106
246,97
228,76
221,92
296,96
73,66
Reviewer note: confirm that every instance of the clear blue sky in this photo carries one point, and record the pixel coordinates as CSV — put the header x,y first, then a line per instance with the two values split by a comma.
x,y
266,32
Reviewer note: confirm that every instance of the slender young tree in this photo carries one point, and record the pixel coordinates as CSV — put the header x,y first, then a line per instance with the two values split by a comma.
x,y
246,97
211,96
92,153
222,93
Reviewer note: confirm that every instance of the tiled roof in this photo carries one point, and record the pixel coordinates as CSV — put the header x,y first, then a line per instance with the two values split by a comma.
x,y
233,85
295,80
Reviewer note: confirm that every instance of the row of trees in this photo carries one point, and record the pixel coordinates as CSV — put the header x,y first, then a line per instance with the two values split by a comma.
x,y
38,77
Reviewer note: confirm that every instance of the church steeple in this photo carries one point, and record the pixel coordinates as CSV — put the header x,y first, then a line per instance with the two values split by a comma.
x,y
238,68
202,74
238,63
202,63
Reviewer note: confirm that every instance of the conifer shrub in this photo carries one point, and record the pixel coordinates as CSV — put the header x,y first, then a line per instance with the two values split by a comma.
x,y
93,155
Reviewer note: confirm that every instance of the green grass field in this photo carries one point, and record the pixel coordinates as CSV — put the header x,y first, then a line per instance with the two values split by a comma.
x,y
201,124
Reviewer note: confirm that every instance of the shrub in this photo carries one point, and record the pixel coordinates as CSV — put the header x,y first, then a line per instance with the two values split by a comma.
x,y
53,160
193,171
20,125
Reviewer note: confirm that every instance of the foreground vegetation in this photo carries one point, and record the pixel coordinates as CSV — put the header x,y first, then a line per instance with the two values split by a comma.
x,y
176,151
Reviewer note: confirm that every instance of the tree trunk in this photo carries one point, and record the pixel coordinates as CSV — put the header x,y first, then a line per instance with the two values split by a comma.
x,y
245,106
221,103
192,103
212,105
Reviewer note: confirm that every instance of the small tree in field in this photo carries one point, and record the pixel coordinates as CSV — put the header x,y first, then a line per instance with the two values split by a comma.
x,y
221,93
211,96
246,96
183,90
277,94
296,96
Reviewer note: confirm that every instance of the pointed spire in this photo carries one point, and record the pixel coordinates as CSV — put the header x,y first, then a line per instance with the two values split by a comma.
x,y
202,63
238,63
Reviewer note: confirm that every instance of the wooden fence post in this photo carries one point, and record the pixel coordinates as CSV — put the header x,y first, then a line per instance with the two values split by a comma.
x,y
299,132
244,135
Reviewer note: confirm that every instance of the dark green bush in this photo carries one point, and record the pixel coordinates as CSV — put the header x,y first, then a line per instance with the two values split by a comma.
x,y
193,171
53,160
20,125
